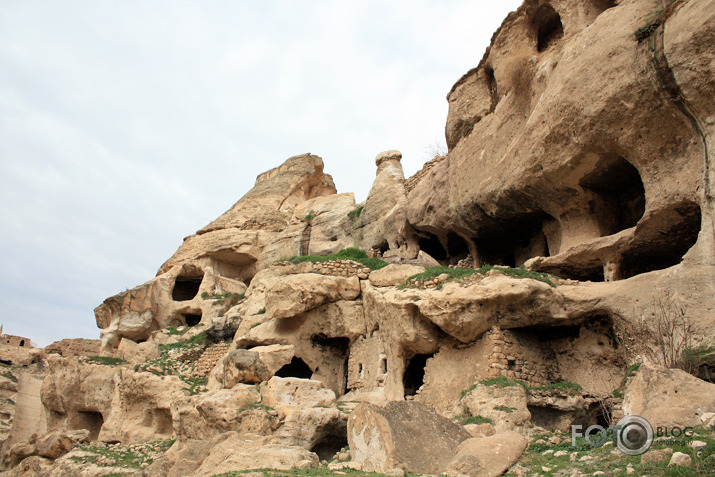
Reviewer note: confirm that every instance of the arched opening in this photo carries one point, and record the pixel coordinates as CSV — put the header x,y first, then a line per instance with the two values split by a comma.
x,y
431,245
663,240
339,351
511,242
22,342
186,287
547,26
618,194
457,247
333,438
415,373
192,319
90,420
295,369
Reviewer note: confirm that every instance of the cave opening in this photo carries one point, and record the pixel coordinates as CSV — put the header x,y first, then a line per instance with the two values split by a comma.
x,y
511,242
91,421
492,87
339,348
192,319
547,24
431,245
186,287
415,373
333,438
664,241
295,369
618,195
457,247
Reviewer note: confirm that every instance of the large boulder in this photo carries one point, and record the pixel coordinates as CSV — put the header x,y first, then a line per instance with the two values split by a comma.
x,y
406,435
668,397
488,456
393,274
295,294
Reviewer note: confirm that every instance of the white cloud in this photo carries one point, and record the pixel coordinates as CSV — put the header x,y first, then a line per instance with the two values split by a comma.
x,y
126,126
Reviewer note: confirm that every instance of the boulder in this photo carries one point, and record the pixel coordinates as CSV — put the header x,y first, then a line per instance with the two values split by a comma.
x,y
408,435
243,366
505,406
287,393
137,353
295,294
393,275
668,397
488,456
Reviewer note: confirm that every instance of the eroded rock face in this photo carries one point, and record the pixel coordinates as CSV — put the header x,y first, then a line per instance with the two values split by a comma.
x,y
488,456
402,435
668,397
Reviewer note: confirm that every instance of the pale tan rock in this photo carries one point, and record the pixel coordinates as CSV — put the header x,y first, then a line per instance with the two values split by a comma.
x,y
680,459
488,456
136,353
505,406
668,397
407,435
480,430
656,455
393,275
286,393
295,294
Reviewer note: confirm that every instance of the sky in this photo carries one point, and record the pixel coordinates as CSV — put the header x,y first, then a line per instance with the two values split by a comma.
x,y
126,126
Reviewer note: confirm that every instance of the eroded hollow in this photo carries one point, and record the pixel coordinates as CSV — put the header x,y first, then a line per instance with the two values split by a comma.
x,y
415,373
333,438
186,287
90,420
295,369
618,195
192,319
511,242
547,25
663,240
431,245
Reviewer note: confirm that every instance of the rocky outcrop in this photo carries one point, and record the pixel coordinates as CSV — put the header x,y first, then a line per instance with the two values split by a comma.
x,y
402,435
668,397
488,456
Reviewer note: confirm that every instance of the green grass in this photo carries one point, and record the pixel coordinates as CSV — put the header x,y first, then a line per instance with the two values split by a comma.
x,y
356,213
700,361
475,420
457,273
309,217
173,331
195,385
123,458
106,360
506,409
354,254
199,339
10,376
262,311
567,386
220,296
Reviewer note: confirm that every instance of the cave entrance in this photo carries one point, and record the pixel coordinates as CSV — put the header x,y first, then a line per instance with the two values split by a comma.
x,y
431,245
339,350
511,242
618,194
663,241
415,373
333,438
90,420
547,25
295,369
192,319
186,287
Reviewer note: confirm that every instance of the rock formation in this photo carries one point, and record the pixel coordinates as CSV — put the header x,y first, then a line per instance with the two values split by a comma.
x,y
572,220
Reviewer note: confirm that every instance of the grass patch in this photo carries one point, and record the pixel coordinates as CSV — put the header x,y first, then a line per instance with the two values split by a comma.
x,y
174,331
221,296
10,376
354,214
503,382
700,361
320,471
262,311
456,273
567,386
506,409
195,385
308,218
354,254
475,420
199,339
121,457
106,360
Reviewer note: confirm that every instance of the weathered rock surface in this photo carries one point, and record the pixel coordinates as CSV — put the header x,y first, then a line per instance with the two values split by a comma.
x,y
393,275
297,294
668,397
402,435
488,456
505,406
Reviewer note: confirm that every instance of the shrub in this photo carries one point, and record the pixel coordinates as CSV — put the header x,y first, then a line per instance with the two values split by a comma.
x,y
356,213
308,218
700,361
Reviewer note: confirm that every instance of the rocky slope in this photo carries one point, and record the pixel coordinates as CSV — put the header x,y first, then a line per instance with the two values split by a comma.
x,y
509,289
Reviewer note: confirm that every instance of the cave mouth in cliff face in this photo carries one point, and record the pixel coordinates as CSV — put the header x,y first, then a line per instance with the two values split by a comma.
x,y
431,245
511,242
333,438
415,373
90,420
186,287
618,195
192,319
295,369
662,240
547,26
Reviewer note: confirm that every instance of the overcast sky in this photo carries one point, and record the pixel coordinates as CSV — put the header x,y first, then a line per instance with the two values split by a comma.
x,y
126,126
